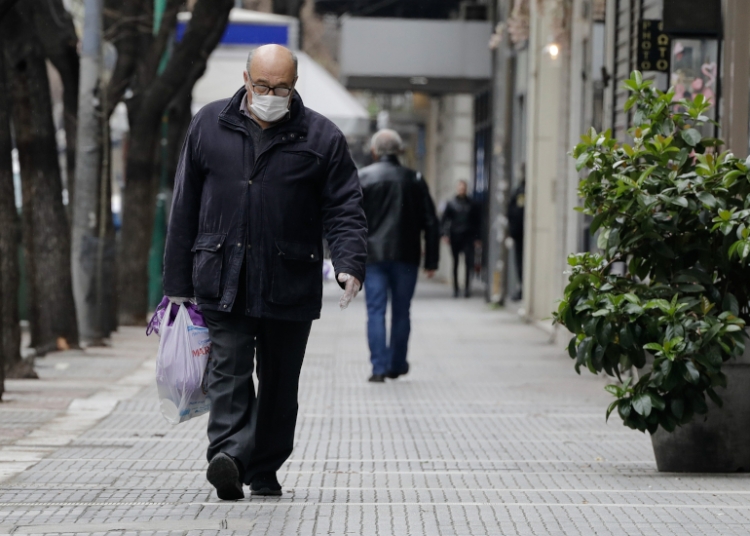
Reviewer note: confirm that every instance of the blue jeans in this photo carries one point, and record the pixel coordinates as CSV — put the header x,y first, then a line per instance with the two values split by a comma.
x,y
399,279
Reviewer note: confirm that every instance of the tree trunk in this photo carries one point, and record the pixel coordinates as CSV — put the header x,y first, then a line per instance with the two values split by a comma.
x,y
46,234
180,115
10,331
57,33
138,202
152,94
292,8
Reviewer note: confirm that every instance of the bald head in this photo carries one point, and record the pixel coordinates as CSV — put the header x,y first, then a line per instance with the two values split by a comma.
x,y
271,70
272,59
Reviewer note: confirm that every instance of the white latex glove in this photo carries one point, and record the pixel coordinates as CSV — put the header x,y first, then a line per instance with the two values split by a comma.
x,y
353,285
180,300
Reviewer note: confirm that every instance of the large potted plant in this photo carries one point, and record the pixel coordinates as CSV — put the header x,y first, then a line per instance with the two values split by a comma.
x,y
668,293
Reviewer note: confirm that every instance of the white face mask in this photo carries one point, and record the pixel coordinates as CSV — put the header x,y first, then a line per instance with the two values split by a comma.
x,y
270,108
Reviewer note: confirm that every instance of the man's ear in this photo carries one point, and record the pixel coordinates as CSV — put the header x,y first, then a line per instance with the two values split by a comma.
x,y
245,77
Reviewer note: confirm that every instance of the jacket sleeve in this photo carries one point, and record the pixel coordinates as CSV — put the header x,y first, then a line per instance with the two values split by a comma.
x,y
445,221
344,219
431,227
183,221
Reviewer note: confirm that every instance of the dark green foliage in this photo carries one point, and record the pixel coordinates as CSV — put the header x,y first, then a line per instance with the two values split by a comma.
x,y
675,214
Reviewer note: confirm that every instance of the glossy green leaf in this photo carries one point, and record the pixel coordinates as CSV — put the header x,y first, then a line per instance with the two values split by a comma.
x,y
642,404
715,397
691,136
691,373
707,199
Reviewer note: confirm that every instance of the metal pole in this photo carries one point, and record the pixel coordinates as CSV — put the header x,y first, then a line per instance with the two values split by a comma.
x,y
87,178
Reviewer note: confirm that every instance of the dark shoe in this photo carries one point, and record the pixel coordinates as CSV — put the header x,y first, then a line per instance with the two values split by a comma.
x,y
266,485
467,294
377,378
455,293
224,475
517,296
394,375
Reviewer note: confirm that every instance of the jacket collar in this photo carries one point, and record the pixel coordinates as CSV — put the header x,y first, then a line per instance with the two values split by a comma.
x,y
296,124
392,158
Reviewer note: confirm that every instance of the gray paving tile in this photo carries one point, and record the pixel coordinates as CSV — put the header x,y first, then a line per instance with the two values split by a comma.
x,y
491,433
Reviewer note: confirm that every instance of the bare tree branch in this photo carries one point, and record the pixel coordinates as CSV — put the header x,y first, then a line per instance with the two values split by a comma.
x,y
120,20
161,41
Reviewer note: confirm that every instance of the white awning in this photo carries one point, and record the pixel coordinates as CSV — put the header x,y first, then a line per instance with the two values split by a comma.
x,y
319,90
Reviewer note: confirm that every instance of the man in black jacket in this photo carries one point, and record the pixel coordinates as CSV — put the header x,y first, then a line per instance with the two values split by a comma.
x,y
516,209
460,225
398,208
260,179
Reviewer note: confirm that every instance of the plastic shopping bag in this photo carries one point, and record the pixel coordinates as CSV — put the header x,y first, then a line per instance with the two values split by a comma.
x,y
181,363
154,324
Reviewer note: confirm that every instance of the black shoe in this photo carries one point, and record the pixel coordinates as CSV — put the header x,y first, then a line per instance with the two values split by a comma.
x,y
455,293
266,484
224,474
467,294
394,375
377,378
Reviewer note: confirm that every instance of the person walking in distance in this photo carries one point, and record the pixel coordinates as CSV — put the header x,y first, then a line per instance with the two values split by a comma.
x,y
260,178
516,210
399,209
460,224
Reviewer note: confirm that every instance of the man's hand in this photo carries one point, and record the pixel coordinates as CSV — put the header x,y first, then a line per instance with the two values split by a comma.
x,y
447,240
429,273
180,300
353,285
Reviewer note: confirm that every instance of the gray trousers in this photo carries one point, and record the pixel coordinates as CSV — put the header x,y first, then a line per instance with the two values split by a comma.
x,y
258,430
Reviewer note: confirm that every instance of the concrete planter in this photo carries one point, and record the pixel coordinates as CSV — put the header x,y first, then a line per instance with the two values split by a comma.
x,y
718,442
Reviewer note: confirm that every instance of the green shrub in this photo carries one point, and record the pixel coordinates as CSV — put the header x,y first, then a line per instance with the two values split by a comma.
x,y
672,278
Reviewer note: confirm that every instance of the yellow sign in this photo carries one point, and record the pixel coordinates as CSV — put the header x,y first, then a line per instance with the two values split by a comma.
x,y
653,47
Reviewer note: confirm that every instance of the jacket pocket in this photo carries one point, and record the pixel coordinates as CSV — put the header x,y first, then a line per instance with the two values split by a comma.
x,y
308,154
297,274
208,257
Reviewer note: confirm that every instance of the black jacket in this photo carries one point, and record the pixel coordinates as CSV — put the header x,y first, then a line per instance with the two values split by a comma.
x,y
516,207
273,213
460,220
398,208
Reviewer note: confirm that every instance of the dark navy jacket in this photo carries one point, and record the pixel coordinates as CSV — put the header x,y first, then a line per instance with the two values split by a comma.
x,y
274,212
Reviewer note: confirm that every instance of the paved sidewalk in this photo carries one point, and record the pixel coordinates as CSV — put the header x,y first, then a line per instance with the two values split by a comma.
x,y
491,433
75,389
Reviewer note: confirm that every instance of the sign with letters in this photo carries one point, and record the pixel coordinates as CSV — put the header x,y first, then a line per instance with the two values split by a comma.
x,y
653,47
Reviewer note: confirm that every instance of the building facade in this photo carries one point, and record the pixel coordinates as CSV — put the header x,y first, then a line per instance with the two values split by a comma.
x,y
558,68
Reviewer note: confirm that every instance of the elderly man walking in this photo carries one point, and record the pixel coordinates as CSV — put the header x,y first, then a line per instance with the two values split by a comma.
x,y
399,209
260,179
